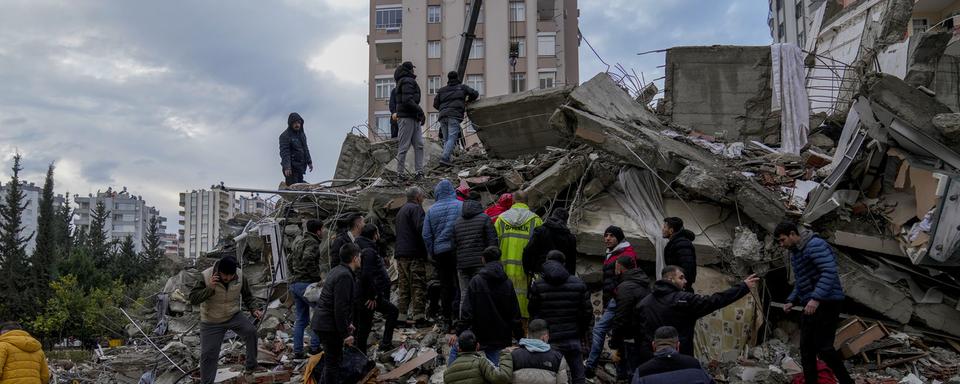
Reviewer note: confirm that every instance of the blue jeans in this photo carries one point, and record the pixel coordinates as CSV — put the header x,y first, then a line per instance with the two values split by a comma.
x,y
451,135
600,330
493,354
301,309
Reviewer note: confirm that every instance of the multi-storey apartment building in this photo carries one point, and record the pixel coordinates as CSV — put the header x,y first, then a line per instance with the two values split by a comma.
x,y
520,45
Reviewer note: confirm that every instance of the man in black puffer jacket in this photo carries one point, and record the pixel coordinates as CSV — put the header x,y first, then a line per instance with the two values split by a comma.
x,y
552,235
374,291
563,301
451,101
411,254
491,309
634,286
679,250
669,304
410,117
472,233
294,154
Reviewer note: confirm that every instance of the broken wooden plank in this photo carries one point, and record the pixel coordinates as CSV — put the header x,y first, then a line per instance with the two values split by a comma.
x,y
409,366
848,330
896,362
856,344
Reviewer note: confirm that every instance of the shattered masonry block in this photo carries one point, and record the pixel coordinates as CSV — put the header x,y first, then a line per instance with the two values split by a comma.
x,y
519,123
559,176
601,96
761,205
949,126
862,286
914,107
703,183
354,157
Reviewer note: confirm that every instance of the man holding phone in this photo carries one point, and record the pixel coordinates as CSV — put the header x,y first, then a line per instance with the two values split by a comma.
x,y
220,295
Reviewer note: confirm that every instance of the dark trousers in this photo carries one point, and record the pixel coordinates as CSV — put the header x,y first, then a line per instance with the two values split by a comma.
x,y
211,337
296,176
631,357
817,333
332,356
572,352
365,323
450,291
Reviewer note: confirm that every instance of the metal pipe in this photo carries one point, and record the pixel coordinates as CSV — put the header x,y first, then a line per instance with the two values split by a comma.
x,y
292,192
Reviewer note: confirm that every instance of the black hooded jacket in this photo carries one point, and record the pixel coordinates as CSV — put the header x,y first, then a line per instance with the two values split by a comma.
x,y
552,235
680,252
563,301
491,309
634,286
294,153
473,233
409,231
668,305
452,99
374,279
408,94
337,299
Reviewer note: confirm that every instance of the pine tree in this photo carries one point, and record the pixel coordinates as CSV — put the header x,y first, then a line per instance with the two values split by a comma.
x,y
153,251
96,236
63,226
43,262
127,262
14,277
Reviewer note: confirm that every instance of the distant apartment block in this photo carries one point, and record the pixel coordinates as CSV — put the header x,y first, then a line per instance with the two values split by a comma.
x,y
128,215
253,205
171,245
201,214
520,45
31,214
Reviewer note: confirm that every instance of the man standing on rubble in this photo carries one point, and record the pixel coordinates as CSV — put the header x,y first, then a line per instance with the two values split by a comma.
x,y
334,318
819,291
294,154
438,236
411,254
451,101
306,267
563,301
374,291
514,228
669,304
219,295
617,247
679,250
472,234
634,286
348,235
491,309
410,117
552,235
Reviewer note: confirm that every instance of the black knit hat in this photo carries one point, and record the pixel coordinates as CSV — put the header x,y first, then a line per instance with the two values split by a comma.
x,y
408,65
227,265
616,232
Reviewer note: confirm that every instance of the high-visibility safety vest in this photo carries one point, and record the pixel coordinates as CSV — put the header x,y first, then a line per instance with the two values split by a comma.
x,y
514,228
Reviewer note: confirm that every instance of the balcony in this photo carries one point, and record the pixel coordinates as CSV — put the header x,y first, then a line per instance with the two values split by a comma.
x,y
388,50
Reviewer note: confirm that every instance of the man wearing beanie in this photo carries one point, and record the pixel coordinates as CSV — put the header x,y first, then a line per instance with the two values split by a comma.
x,y
219,295
410,117
452,101
294,154
553,235
617,247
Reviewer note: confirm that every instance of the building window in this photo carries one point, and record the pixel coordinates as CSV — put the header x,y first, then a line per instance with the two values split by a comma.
x,y
475,82
433,84
390,19
518,11
547,79
433,14
433,119
546,45
801,40
382,128
476,49
521,44
433,49
383,88
518,82
467,10
920,25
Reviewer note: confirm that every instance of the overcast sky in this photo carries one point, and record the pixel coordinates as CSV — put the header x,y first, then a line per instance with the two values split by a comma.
x,y
168,96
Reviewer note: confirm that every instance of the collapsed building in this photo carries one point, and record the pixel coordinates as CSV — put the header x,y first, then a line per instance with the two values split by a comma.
x,y
732,148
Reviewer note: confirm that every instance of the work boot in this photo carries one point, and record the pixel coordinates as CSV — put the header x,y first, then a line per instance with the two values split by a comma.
x,y
589,373
418,176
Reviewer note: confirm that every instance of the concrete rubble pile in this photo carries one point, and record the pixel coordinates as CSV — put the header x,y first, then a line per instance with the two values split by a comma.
x,y
881,182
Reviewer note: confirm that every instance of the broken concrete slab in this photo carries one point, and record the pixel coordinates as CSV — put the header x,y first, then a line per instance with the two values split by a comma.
x,y
703,183
555,179
860,285
949,126
897,98
722,90
354,157
601,96
941,317
760,204
518,123
878,244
